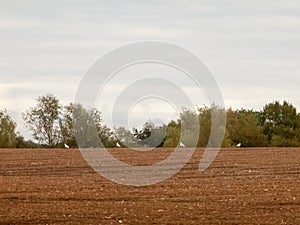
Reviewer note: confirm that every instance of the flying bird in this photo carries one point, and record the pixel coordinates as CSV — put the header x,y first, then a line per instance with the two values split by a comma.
x,y
239,145
66,146
181,145
118,145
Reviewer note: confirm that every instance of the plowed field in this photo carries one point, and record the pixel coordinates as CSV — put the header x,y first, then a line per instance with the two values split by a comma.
x,y
242,186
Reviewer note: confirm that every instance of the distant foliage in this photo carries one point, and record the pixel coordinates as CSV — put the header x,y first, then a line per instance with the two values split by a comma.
x,y
243,127
189,124
125,137
66,125
88,127
22,143
172,134
53,125
206,129
281,124
150,135
43,120
8,135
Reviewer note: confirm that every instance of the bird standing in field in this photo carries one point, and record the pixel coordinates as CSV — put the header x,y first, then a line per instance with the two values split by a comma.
x,y
67,146
118,145
239,145
181,145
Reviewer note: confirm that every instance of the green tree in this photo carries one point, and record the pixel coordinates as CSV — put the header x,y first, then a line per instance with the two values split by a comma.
x,y
43,120
158,136
150,135
87,127
125,137
143,134
8,134
185,129
219,129
22,143
280,123
243,127
205,125
172,134
107,137
189,125
66,125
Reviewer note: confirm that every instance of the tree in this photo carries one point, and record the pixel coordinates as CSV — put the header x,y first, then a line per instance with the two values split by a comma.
x,y
8,134
144,133
158,136
243,127
43,120
66,125
280,123
185,129
205,125
22,143
218,132
172,134
125,137
107,137
150,135
88,124
189,127
87,127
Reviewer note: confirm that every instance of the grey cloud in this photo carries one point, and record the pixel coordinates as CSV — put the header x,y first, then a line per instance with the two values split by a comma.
x,y
249,44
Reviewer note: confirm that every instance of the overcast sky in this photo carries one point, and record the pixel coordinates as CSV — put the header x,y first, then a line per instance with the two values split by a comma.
x,y
251,47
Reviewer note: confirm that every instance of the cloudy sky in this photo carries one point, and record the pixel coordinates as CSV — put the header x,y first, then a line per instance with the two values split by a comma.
x,y
251,47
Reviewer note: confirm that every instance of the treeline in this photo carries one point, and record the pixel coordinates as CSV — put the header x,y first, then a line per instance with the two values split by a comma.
x,y
52,125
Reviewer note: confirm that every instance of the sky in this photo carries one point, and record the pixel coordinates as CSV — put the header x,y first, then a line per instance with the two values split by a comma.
x,y
251,47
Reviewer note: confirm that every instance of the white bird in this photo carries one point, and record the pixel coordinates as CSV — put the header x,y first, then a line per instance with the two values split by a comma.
x,y
118,145
66,146
181,145
239,145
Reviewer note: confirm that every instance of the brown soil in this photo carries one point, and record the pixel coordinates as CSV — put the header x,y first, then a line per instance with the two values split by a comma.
x,y
242,186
